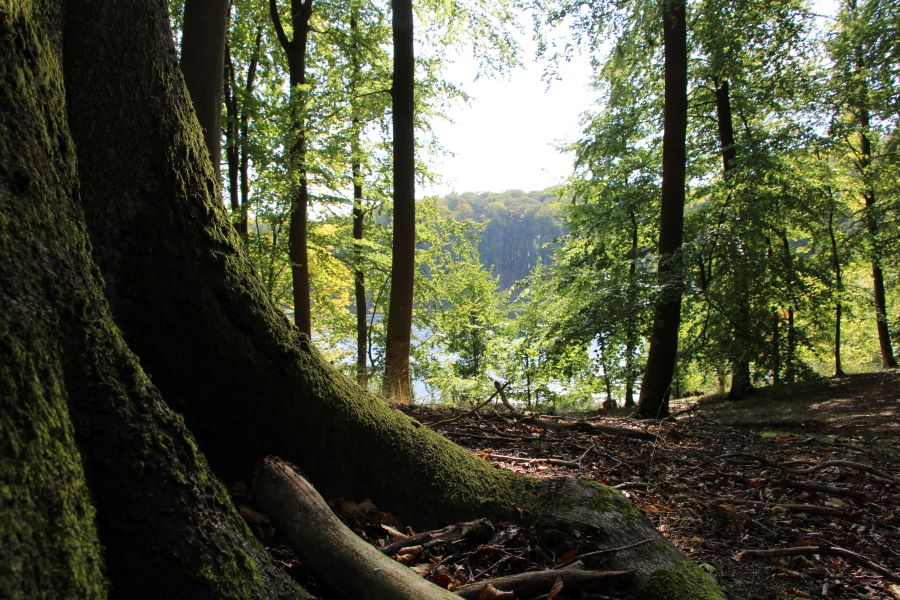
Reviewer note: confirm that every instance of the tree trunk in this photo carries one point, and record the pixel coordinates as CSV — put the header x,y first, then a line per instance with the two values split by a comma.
x,y
167,526
237,135
839,288
741,383
298,251
864,164
631,325
232,142
397,386
246,381
203,65
663,352
888,361
359,276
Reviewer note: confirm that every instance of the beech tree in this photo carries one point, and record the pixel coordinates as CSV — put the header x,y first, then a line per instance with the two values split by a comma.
x,y
202,62
397,384
661,357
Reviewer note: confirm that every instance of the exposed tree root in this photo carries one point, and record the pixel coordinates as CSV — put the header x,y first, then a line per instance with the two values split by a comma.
x,y
329,548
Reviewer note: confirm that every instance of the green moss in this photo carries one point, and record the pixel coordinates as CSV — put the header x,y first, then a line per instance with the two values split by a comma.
x,y
684,581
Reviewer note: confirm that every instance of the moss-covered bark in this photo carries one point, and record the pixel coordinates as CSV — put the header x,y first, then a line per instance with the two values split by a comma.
x,y
89,453
49,547
194,311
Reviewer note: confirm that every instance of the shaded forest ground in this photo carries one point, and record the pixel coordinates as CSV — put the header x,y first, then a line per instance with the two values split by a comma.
x,y
788,468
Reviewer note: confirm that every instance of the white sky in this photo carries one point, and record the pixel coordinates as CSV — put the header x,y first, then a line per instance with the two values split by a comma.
x,y
505,137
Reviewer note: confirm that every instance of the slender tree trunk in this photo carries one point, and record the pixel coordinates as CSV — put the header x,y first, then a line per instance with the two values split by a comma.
x,y
237,136
776,347
741,383
397,385
203,65
663,352
232,141
888,361
298,251
790,359
839,288
790,367
359,214
631,325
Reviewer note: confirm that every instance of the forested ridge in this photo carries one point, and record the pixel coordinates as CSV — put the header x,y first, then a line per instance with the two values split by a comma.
x,y
243,356
522,228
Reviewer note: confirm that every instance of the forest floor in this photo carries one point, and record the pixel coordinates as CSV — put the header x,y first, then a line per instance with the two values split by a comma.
x,y
810,470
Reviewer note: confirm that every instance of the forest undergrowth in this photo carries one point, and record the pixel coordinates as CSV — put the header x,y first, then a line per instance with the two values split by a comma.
x,y
791,493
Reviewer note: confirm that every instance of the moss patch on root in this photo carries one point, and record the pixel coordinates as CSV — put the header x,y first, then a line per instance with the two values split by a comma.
x,y
684,580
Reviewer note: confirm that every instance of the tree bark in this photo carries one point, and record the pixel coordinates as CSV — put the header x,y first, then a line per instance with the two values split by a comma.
x,y
663,352
203,65
167,527
839,288
741,383
631,325
231,131
237,136
359,214
298,251
248,384
888,361
397,385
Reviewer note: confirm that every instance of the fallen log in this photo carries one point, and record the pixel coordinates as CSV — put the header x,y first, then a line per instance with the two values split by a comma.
x,y
538,582
332,552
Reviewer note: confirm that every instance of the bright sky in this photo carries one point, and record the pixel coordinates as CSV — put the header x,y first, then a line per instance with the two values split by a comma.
x,y
505,137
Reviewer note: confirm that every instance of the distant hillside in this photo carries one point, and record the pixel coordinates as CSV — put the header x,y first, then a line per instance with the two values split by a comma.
x,y
522,227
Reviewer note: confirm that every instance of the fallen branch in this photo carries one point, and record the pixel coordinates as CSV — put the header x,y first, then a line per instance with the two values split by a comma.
x,y
821,487
536,582
839,463
602,552
789,468
480,530
470,412
826,550
591,427
329,548
525,459
812,509
503,399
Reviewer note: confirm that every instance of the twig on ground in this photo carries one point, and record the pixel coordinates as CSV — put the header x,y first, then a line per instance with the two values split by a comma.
x,y
470,412
536,582
601,552
525,459
851,556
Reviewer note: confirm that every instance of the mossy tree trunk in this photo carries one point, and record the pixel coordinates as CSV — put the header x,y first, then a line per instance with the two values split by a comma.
x,y
181,287
90,456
